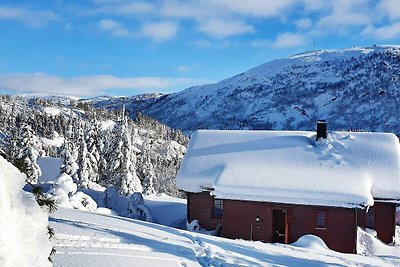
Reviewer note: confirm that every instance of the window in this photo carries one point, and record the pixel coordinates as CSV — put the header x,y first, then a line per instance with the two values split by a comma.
x,y
371,218
320,219
218,208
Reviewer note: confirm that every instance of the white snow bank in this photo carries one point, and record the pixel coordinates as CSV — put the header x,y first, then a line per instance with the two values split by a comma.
x,y
369,244
311,242
167,210
346,170
23,225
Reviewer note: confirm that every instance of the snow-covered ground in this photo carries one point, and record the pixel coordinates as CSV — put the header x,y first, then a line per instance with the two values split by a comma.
x,y
90,239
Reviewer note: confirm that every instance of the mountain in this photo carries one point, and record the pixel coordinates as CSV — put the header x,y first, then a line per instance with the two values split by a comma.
x,y
354,89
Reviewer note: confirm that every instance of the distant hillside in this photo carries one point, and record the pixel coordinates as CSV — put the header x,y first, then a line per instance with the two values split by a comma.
x,y
355,88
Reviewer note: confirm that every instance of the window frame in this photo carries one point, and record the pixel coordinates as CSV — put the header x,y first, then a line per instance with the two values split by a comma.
x,y
320,219
220,203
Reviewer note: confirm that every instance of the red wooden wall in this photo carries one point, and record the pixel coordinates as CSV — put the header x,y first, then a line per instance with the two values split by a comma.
x,y
339,232
200,207
384,220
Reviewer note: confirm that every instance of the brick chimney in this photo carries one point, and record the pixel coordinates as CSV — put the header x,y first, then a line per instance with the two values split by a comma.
x,y
321,129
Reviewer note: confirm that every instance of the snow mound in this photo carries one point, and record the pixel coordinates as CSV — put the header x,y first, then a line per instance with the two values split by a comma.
x,y
63,188
23,225
368,244
65,194
81,201
311,242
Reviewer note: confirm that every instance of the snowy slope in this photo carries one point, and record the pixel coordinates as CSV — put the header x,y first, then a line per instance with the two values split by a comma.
x,y
88,239
356,88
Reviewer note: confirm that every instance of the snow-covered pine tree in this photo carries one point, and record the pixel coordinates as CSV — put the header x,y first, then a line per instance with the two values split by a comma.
x,y
26,149
69,155
93,155
123,160
82,160
146,170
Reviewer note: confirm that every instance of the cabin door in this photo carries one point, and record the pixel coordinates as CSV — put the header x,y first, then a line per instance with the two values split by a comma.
x,y
280,226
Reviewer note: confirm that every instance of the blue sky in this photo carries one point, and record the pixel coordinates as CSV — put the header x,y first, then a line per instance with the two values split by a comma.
x,y
125,47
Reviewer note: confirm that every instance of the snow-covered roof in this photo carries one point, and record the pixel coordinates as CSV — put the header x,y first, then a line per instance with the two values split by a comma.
x,y
348,169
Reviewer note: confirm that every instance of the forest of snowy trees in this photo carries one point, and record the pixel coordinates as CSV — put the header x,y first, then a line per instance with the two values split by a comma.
x,y
98,148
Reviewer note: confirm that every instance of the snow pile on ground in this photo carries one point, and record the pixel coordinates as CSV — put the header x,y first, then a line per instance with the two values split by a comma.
x,y
81,201
23,225
311,242
167,210
65,195
193,226
369,244
253,165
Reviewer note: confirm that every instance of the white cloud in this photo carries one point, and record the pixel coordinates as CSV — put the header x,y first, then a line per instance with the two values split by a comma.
x,y
225,28
345,14
315,5
33,18
203,9
114,27
289,39
303,24
255,8
390,8
224,18
90,85
385,32
161,31
121,8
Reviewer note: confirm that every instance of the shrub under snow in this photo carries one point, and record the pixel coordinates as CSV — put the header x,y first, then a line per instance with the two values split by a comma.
x,y
65,195
23,224
81,201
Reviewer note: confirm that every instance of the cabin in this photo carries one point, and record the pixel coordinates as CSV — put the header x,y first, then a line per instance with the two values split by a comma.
x,y
276,186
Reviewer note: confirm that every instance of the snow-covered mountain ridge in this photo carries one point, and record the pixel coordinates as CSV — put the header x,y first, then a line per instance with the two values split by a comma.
x,y
355,88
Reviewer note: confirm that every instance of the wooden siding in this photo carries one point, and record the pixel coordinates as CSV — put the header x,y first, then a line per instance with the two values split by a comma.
x,y
384,220
339,233
200,207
